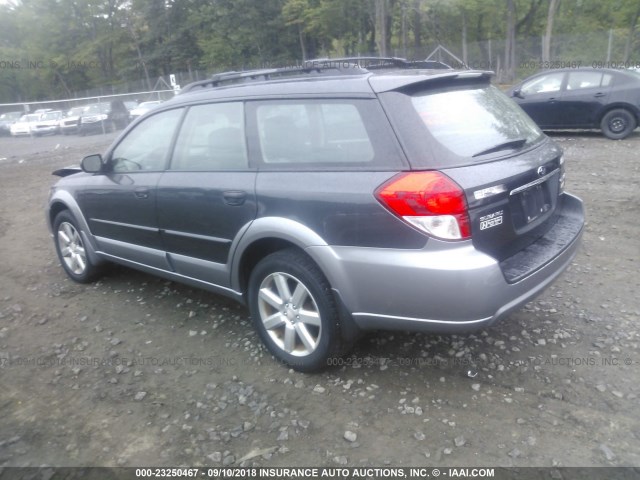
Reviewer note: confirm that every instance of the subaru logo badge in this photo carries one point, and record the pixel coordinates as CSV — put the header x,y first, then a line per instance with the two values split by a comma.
x,y
542,170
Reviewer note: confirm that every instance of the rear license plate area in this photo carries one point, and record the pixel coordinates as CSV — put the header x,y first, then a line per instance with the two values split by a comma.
x,y
535,202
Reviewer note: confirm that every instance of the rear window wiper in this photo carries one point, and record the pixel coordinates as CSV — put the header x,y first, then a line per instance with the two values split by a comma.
x,y
512,144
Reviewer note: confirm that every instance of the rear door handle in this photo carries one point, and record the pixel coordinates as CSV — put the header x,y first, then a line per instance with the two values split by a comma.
x,y
141,192
600,94
234,197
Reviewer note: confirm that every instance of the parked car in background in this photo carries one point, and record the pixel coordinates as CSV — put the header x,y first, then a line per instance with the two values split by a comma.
x,y
69,122
94,119
579,98
143,108
104,117
8,119
49,123
330,201
25,124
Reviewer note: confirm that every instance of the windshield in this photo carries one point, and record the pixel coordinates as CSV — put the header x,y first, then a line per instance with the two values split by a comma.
x,y
96,108
74,112
474,122
9,116
51,116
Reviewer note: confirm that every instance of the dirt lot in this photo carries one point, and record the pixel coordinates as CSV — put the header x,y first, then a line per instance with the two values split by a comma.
x,y
134,370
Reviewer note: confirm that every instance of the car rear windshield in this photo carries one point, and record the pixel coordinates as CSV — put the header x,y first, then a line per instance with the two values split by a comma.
x,y
459,124
472,121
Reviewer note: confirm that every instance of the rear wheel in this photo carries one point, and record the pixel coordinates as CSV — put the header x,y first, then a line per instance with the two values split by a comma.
x,y
618,124
293,310
71,249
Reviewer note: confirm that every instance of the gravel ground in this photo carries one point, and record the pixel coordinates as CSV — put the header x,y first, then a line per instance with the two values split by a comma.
x,y
134,370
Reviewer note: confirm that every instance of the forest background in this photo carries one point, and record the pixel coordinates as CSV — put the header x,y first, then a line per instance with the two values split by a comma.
x,y
52,49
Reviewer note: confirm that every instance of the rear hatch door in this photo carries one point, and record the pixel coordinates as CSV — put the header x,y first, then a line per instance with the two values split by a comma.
x,y
512,174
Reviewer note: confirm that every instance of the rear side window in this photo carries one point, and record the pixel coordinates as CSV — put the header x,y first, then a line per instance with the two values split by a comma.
x,y
474,122
212,138
323,133
582,80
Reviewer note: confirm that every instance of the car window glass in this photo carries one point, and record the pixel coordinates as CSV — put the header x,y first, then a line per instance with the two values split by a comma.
x,y
484,117
51,116
212,138
313,132
606,79
581,80
146,146
544,84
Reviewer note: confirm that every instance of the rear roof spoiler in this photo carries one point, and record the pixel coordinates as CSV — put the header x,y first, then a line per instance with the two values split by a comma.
x,y
399,80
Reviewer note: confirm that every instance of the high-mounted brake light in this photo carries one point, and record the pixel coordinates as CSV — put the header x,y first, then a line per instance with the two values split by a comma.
x,y
430,201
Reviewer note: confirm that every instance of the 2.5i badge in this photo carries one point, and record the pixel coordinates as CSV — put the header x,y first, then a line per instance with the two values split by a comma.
x,y
491,220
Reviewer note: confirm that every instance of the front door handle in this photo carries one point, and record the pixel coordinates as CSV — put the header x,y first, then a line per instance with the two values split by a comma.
x,y
141,192
600,94
234,197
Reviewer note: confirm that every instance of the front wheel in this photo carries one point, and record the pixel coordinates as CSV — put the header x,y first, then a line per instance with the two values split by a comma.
x,y
618,124
293,310
71,249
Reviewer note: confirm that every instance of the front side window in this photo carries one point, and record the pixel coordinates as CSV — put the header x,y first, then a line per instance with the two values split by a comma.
x,y
212,138
147,145
543,84
314,132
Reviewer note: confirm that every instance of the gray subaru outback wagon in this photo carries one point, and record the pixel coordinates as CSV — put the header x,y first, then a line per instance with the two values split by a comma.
x,y
330,199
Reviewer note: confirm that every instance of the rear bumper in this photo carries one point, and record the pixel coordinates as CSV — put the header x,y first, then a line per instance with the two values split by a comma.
x,y
93,127
445,287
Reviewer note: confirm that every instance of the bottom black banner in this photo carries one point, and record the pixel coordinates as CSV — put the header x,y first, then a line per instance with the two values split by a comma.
x,y
277,473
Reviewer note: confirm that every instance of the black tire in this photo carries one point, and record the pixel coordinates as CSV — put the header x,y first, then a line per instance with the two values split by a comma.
x,y
618,124
71,250
313,325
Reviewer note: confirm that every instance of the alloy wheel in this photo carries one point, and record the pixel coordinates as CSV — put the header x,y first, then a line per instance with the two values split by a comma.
x,y
289,314
71,248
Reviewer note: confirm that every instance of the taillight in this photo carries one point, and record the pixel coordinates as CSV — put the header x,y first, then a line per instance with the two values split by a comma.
x,y
430,201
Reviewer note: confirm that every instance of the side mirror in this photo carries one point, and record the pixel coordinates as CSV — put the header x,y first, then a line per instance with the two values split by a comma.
x,y
92,163
518,93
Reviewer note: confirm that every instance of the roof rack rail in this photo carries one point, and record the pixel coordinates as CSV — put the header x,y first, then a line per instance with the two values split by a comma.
x,y
308,67
376,63
318,66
